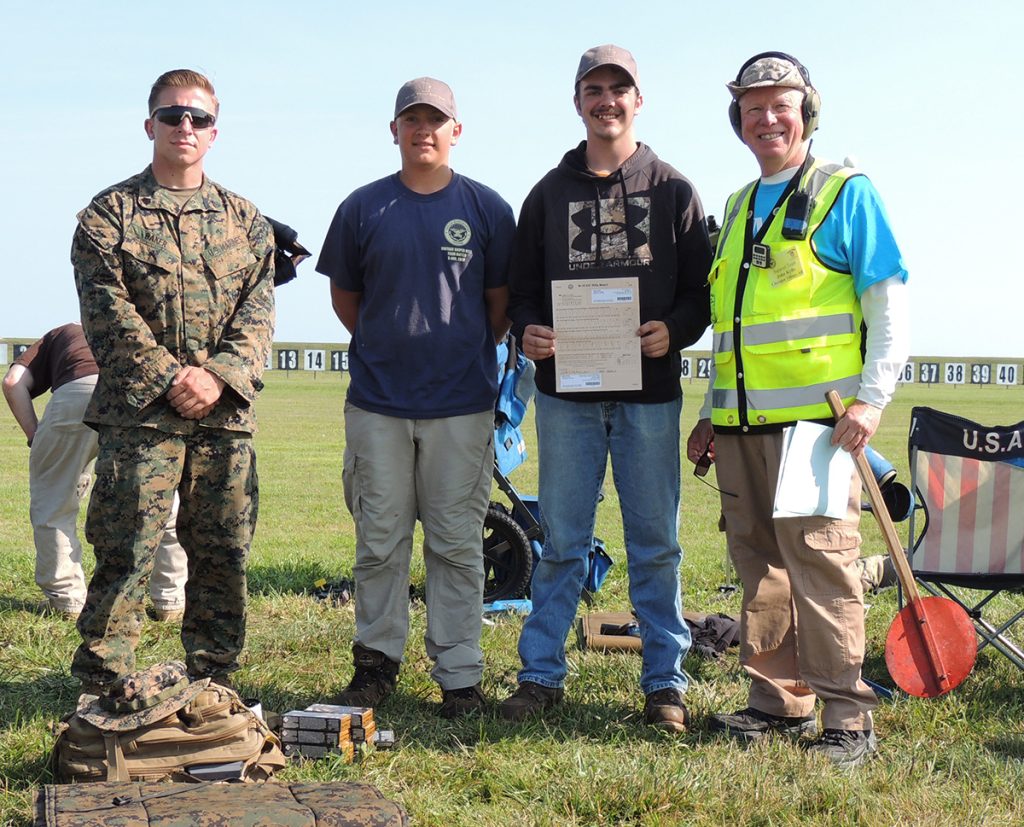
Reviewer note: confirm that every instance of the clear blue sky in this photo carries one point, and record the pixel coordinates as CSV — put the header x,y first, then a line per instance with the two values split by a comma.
x,y
921,95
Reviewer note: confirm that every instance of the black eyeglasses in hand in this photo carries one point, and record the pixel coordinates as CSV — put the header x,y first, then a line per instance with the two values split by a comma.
x,y
700,470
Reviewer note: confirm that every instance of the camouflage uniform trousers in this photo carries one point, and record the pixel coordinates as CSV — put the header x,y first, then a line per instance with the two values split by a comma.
x,y
137,473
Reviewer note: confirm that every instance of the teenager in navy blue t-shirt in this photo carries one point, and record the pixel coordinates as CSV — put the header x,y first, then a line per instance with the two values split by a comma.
x,y
418,266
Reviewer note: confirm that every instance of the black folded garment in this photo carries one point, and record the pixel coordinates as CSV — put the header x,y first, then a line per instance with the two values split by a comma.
x,y
713,635
288,253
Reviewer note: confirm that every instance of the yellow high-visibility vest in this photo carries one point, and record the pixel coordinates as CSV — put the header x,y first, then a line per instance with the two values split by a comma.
x,y
786,333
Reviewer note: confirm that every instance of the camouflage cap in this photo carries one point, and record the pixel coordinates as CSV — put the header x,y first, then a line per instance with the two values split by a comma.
x,y
607,55
143,697
768,71
430,91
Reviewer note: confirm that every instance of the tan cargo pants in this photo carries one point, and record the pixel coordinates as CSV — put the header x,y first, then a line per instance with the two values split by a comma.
x,y
802,621
60,472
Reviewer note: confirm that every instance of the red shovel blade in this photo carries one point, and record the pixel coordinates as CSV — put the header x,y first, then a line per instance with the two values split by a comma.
x,y
907,651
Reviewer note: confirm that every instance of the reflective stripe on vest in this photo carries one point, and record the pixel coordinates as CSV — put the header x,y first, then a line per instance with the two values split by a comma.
x,y
763,334
786,397
799,321
731,214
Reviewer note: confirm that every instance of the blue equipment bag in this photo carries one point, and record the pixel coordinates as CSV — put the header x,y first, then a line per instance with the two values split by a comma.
x,y
515,390
599,564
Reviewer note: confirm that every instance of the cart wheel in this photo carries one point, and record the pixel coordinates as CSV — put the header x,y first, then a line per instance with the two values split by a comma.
x,y
508,557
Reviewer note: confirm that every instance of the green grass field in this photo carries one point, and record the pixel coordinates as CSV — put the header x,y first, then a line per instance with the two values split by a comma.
x,y
959,758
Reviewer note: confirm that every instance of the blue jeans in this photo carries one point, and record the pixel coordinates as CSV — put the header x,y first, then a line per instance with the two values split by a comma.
x,y
574,440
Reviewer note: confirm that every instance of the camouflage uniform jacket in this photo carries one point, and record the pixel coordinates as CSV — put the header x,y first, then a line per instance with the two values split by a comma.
x,y
159,291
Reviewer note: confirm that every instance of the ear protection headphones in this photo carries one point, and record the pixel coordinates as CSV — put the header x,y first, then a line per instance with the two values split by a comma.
x,y
810,109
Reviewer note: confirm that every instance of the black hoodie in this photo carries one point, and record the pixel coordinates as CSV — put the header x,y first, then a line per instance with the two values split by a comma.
x,y
643,220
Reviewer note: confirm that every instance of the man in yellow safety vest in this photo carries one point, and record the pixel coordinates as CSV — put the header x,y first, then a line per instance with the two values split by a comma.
x,y
808,293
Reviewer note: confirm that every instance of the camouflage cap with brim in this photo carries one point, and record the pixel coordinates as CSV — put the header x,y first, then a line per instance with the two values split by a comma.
x,y
143,697
768,71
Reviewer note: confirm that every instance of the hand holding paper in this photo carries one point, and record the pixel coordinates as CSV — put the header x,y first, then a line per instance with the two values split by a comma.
x,y
814,475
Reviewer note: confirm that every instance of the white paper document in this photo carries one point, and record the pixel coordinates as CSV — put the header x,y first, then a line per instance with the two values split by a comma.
x,y
596,321
814,475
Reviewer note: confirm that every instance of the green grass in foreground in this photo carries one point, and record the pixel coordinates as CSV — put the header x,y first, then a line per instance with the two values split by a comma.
x,y
958,758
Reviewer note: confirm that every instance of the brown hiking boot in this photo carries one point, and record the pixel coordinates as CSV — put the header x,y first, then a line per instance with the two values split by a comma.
x,y
458,702
48,607
223,679
168,615
529,699
90,691
664,709
374,679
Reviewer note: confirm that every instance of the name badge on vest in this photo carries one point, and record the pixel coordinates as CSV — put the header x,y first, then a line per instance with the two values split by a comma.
x,y
761,256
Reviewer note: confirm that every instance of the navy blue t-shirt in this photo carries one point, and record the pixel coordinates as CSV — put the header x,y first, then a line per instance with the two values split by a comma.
x,y
423,346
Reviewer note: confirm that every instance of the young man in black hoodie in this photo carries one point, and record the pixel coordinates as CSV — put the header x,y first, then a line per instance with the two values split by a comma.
x,y
610,209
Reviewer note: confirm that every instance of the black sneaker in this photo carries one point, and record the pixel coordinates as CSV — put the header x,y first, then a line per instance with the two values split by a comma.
x,y
458,702
752,724
374,679
846,748
529,699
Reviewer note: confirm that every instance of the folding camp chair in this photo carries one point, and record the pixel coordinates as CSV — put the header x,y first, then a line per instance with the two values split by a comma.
x,y
969,479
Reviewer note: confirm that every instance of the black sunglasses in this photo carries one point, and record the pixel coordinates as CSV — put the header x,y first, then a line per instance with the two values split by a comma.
x,y
173,115
700,470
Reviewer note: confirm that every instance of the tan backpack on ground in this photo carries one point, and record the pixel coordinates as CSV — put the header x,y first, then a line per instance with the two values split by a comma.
x,y
159,726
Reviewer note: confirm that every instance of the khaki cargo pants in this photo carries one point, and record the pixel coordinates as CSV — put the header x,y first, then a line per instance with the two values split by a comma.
x,y
802,621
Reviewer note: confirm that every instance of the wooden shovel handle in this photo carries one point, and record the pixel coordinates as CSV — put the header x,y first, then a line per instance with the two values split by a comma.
x,y
892,542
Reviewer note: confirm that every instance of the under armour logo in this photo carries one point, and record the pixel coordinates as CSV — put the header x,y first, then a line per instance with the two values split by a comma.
x,y
609,230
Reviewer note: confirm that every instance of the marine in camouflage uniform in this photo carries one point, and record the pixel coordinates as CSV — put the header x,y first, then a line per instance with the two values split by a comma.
x,y
176,294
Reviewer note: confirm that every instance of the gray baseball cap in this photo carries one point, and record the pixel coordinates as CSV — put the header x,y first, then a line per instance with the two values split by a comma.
x,y
430,91
607,55
768,71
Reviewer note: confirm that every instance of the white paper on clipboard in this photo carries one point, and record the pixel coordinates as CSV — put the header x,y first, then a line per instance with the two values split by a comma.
x,y
814,475
596,321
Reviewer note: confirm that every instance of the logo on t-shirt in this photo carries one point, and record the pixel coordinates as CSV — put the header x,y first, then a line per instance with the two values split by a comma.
x,y
610,231
457,232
